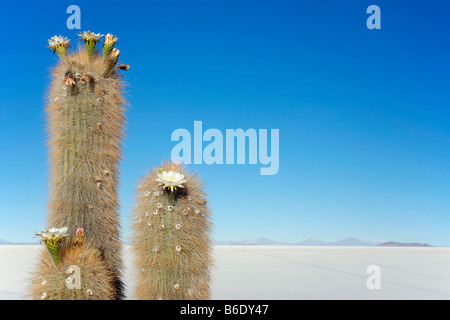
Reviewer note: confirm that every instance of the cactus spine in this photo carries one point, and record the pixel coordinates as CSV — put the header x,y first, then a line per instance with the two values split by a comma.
x,y
85,123
171,234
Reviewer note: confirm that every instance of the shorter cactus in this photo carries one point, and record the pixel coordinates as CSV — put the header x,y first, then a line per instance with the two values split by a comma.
x,y
79,273
171,233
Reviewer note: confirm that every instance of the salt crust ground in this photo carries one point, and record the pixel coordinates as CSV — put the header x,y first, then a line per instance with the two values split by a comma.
x,y
287,272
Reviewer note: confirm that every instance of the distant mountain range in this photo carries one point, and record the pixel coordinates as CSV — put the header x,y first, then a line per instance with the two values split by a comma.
x,y
350,241
400,244
9,242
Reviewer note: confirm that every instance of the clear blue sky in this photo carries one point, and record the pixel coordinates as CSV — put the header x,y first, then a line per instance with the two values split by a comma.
x,y
363,114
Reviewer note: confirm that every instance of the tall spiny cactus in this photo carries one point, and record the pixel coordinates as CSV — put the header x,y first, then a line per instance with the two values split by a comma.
x,y
171,234
85,123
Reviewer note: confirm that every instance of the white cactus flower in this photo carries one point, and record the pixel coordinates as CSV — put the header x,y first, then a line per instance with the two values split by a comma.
x,y
110,39
115,53
171,180
109,44
53,234
90,40
90,36
58,41
58,44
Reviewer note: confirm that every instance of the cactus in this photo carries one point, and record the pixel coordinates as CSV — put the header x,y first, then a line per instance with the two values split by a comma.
x,y
171,235
86,118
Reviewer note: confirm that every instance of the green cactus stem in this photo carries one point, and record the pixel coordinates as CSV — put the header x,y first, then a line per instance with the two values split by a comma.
x,y
53,247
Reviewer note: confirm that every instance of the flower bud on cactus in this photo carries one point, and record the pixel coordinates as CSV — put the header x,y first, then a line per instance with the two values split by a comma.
x,y
111,61
79,236
109,44
171,233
